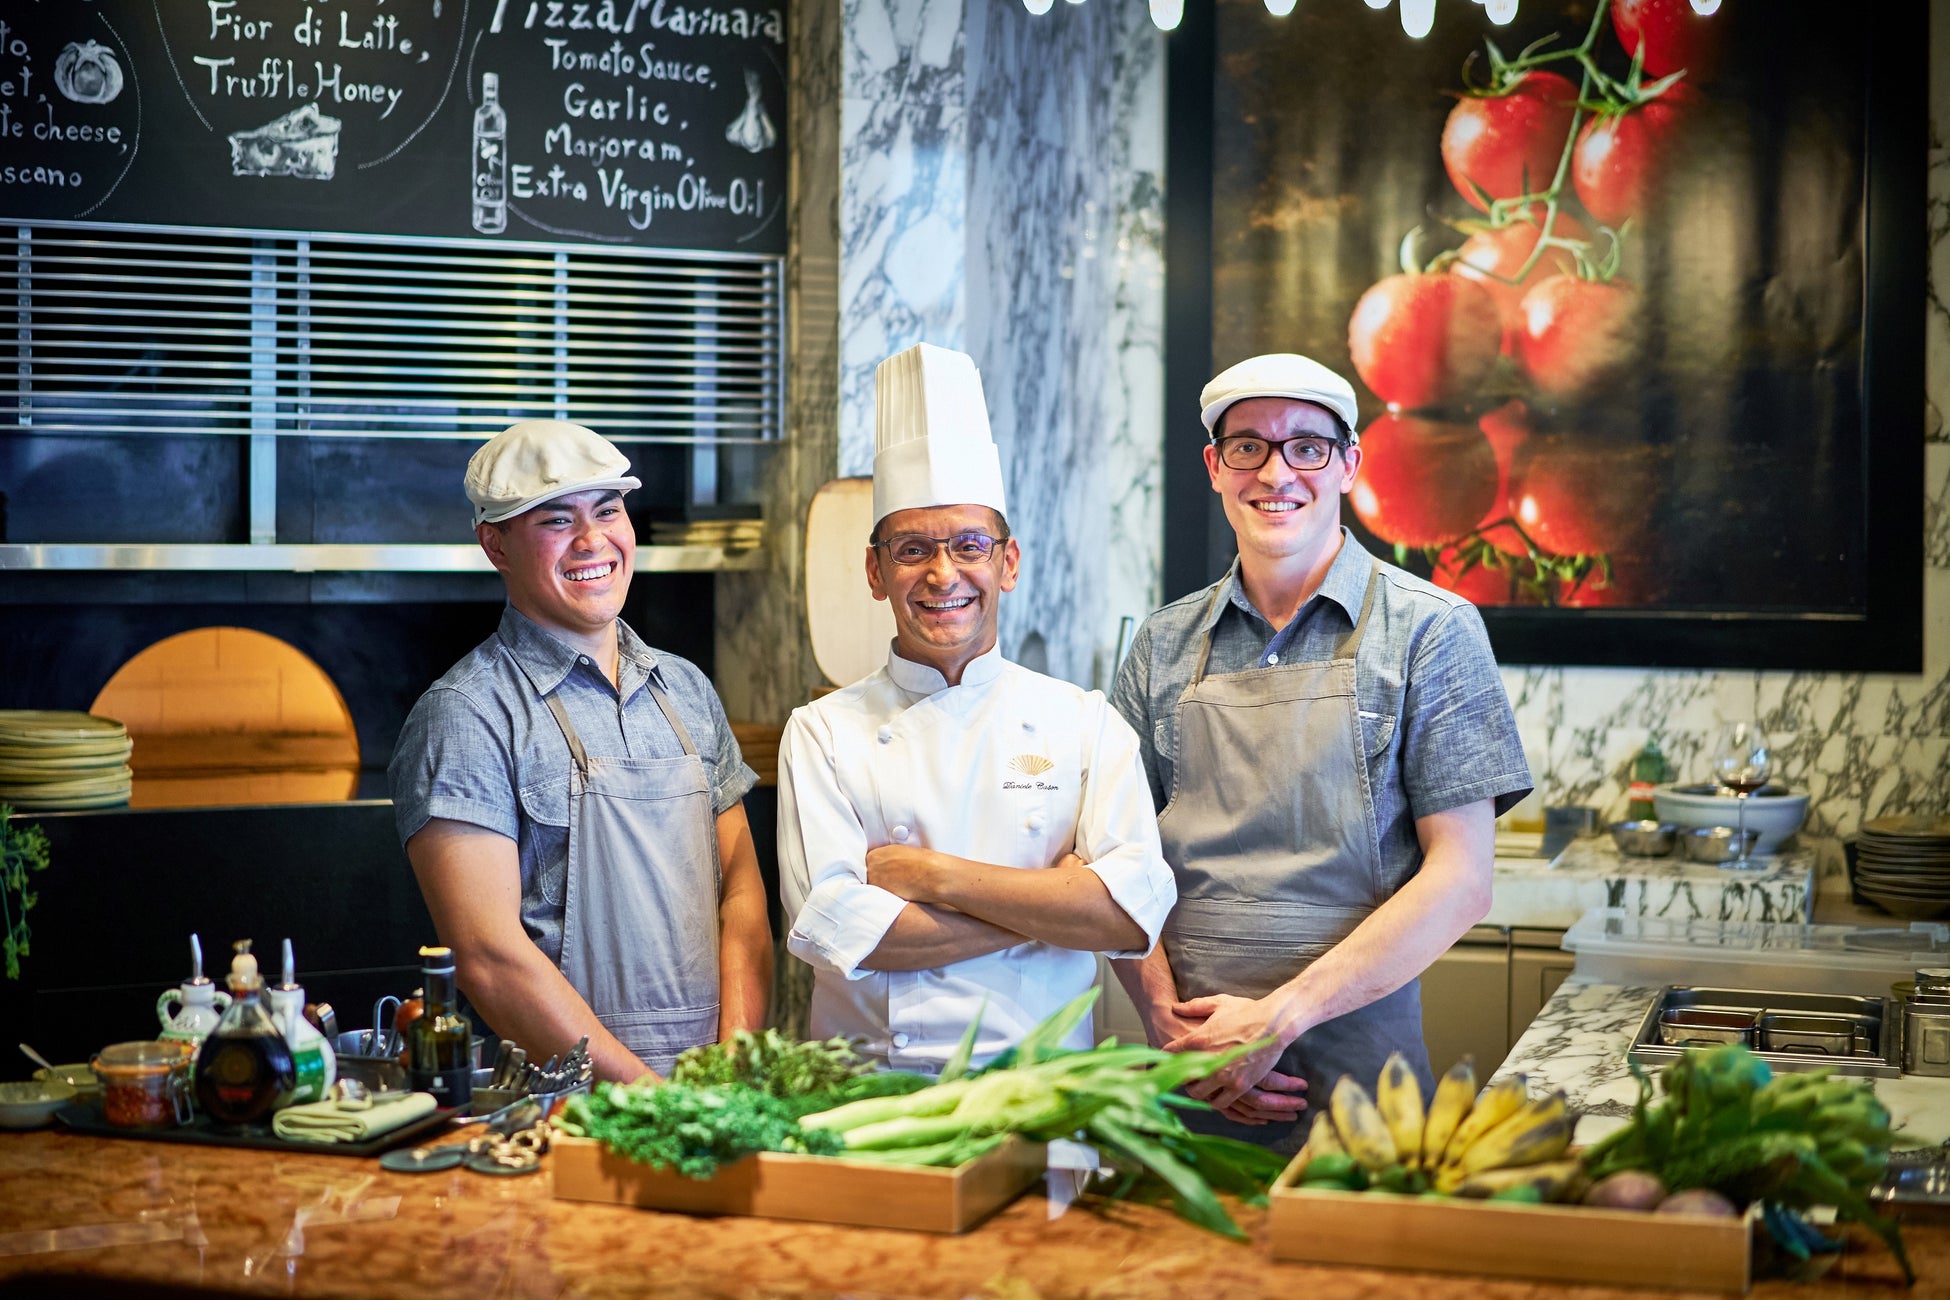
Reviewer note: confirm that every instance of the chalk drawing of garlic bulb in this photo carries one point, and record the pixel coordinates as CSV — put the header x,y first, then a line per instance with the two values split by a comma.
x,y
753,130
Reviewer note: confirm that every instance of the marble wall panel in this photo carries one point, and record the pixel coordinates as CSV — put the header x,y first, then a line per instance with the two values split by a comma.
x,y
1065,313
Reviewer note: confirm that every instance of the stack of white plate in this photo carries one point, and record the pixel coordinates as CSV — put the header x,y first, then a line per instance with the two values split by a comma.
x,y
52,761
1902,864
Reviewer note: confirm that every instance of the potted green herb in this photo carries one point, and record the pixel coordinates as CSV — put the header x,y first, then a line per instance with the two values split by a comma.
x,y
22,849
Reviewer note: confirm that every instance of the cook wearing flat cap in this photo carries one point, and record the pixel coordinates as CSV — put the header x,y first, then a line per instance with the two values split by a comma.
x,y
1329,743
958,836
570,798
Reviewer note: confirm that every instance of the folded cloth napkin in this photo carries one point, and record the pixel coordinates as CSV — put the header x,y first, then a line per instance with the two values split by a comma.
x,y
329,1121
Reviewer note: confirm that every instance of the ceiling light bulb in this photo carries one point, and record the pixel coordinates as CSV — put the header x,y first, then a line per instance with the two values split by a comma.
x,y
1279,8
1377,4
1165,14
1076,2
1418,17
1500,11
1706,8
1037,6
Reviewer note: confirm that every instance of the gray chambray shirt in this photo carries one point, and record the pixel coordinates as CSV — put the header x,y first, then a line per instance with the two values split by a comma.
x,y
1436,727
481,747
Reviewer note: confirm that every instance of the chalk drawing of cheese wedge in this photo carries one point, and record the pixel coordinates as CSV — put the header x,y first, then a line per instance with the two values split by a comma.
x,y
303,143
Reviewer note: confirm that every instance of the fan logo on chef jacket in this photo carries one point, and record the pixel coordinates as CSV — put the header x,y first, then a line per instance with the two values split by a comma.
x,y
1030,765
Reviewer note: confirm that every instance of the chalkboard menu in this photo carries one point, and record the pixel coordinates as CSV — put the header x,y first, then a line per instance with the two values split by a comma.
x,y
650,122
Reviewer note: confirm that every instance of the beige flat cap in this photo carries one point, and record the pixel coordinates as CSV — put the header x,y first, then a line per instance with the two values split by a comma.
x,y
1280,374
535,461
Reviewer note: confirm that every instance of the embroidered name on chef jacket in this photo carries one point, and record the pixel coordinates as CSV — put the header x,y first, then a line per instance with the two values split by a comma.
x,y
1030,765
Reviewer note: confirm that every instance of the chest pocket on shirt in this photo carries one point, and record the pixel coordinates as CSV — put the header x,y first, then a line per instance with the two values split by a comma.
x,y
545,801
1380,707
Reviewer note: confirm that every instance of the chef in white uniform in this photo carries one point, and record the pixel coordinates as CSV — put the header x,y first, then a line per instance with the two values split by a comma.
x,y
955,829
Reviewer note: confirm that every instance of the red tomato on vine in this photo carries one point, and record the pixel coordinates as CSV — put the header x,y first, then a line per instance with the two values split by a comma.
x,y
1509,143
1492,259
1579,337
1623,161
1423,482
1424,338
1576,495
1673,35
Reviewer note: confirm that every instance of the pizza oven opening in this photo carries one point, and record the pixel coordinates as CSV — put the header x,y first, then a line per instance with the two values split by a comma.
x,y
230,715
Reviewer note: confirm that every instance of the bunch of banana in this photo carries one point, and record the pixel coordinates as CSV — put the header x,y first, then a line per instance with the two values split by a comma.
x,y
1496,1143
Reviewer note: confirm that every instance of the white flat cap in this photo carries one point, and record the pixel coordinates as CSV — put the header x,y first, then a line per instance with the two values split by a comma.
x,y
1280,374
539,460
932,445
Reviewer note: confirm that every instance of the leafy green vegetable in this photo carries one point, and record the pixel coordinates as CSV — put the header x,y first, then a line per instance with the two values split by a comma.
x,y
22,849
1727,1123
1115,1097
770,1062
689,1129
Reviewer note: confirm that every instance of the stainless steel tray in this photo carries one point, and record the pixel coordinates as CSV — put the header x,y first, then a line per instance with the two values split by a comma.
x,y
1872,1025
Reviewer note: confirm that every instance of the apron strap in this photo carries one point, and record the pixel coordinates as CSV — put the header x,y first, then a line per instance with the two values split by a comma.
x,y
1352,641
1211,620
561,712
670,716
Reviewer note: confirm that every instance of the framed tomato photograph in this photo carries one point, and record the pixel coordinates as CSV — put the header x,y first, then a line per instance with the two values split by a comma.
x,y
1631,296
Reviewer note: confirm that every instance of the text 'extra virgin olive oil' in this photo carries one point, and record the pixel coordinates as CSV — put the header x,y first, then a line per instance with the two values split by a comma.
x,y
245,1064
439,1044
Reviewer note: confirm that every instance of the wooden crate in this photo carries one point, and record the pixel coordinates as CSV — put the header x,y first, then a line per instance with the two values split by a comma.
x,y
817,1189
1558,1243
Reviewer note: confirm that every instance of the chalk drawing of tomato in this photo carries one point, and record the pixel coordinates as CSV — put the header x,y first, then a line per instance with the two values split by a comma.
x,y
87,73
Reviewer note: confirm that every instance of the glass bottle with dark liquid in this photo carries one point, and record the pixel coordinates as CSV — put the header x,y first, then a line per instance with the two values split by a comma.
x,y
439,1044
245,1065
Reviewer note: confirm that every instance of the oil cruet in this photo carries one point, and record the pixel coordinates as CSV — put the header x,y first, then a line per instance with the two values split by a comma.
x,y
191,1010
245,1066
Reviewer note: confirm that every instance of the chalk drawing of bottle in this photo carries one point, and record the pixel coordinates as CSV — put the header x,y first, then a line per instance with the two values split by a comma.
x,y
752,130
490,159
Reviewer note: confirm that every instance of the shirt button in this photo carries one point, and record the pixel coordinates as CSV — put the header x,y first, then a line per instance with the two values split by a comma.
x,y
1272,658
582,659
900,1040
900,834
886,734
1035,821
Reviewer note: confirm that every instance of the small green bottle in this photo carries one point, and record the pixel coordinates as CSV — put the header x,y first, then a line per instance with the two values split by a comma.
x,y
1649,769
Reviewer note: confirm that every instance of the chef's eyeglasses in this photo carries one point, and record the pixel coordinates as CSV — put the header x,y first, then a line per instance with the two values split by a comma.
x,y
1246,451
967,550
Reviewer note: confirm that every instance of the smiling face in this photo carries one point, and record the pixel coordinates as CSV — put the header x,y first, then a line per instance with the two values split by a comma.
x,y
944,615
1279,513
567,562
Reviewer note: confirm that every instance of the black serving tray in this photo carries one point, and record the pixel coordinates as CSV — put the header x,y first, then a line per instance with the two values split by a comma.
x,y
85,1116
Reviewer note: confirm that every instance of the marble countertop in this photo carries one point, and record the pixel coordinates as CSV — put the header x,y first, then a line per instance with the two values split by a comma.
x,y
74,1207
1593,873
1578,1043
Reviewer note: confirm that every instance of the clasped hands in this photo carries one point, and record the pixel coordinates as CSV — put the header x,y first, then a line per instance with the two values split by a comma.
x,y
1249,1090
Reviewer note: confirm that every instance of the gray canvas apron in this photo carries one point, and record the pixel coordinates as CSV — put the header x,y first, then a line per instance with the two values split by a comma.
x,y
640,911
1272,833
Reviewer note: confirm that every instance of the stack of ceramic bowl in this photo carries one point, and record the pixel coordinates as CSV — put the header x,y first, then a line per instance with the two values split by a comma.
x,y
51,762
1902,864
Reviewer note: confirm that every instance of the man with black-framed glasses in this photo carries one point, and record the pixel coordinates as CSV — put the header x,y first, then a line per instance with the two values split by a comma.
x,y
958,836
1329,742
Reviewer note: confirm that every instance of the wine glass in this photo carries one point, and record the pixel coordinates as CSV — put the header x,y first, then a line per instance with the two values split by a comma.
x,y
1741,759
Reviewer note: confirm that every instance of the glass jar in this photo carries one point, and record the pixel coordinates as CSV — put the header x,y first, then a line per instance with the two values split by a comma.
x,y
145,1084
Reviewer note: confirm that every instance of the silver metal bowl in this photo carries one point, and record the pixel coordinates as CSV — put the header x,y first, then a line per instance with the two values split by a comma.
x,y
1720,844
1644,839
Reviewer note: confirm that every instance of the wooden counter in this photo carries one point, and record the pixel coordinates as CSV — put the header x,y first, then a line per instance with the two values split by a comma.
x,y
77,1209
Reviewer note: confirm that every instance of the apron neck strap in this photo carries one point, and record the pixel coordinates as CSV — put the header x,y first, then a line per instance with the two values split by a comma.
x,y
1349,644
1352,641
670,716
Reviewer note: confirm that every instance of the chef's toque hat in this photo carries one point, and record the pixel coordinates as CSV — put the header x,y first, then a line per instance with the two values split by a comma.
x,y
535,461
932,445
1280,374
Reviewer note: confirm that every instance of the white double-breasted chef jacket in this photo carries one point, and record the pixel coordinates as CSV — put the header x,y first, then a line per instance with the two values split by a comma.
x,y
1009,767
